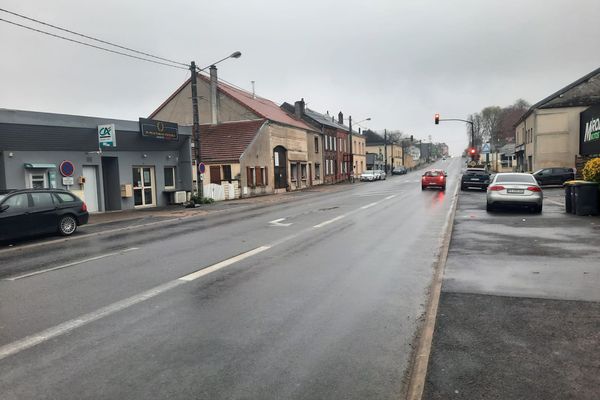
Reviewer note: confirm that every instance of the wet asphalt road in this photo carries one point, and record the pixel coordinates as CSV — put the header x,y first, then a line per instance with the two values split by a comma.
x,y
323,303
519,313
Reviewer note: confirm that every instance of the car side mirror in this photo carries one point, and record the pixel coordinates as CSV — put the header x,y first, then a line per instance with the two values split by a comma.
x,y
4,207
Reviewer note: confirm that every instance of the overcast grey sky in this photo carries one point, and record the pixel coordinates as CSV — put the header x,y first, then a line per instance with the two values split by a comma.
x,y
396,61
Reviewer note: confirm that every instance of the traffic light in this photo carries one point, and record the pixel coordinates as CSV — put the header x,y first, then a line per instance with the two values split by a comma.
x,y
437,119
472,151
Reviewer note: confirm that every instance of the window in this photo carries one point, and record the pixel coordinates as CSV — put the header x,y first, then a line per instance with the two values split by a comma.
x,y
215,174
227,173
317,171
17,202
169,177
303,170
259,176
38,180
265,176
316,144
42,200
334,144
64,198
251,177
294,171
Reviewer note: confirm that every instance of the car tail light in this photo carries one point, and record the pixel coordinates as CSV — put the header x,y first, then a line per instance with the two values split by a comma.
x,y
83,207
534,189
496,188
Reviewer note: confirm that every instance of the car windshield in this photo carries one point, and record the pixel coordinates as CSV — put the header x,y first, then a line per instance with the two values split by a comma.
x,y
517,178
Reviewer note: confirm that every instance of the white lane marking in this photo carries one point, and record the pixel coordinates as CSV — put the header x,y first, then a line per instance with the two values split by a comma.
x,y
58,330
222,264
322,224
391,197
65,327
43,271
277,222
369,205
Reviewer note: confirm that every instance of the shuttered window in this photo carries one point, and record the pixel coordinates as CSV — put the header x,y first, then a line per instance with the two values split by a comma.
x,y
258,176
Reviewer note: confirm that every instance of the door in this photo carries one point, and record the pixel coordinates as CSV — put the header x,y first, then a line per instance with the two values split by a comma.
x,y
90,187
144,194
15,221
43,213
280,167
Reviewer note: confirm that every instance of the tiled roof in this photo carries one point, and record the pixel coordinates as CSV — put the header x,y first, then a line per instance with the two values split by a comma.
x,y
228,140
263,107
583,92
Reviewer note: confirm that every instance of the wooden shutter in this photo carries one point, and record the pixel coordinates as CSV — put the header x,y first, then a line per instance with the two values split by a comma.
x,y
258,175
266,176
249,176
215,174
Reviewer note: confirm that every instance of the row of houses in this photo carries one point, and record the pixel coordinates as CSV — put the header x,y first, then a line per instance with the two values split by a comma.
x,y
246,146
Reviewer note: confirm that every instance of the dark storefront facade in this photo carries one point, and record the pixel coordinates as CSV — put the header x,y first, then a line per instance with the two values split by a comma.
x,y
110,164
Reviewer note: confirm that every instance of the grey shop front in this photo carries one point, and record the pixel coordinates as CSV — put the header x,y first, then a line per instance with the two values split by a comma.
x,y
111,164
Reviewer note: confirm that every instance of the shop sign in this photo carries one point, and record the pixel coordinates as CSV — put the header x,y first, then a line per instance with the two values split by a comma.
x,y
162,130
107,136
589,142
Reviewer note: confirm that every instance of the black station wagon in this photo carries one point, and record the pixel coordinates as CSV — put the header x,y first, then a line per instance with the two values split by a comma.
x,y
30,212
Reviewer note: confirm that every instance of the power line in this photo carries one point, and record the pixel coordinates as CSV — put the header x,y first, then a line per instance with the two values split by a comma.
x,y
93,38
91,45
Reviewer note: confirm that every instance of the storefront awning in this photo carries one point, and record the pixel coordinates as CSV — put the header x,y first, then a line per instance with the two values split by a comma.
x,y
40,166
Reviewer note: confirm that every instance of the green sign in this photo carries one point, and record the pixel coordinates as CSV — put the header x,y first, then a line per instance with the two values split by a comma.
x,y
107,136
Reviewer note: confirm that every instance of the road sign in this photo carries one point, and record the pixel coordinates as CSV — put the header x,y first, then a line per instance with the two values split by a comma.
x,y
485,149
66,168
201,167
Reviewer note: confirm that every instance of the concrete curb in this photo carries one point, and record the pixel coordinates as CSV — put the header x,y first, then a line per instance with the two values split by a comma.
x,y
420,358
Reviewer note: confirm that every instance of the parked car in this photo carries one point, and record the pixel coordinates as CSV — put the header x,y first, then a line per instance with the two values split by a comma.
x,y
368,176
474,178
380,174
554,176
37,211
514,189
401,170
433,178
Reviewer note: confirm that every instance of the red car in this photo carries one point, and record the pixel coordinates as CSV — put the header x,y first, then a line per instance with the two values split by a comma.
x,y
434,178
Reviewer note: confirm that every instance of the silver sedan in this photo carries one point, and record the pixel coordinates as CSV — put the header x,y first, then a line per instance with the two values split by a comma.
x,y
514,189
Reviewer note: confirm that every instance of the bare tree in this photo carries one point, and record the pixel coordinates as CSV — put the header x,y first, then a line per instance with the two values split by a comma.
x,y
495,124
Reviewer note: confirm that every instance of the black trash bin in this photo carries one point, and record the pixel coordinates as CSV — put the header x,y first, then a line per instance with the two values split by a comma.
x,y
585,198
568,197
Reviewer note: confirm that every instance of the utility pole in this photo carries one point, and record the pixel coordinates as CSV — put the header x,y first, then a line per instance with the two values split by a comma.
x,y
351,172
385,151
196,128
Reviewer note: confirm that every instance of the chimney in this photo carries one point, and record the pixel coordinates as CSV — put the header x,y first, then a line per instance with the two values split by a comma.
x,y
214,105
299,108
341,118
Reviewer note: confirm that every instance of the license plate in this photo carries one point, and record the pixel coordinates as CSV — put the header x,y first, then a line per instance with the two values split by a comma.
x,y
516,191
475,179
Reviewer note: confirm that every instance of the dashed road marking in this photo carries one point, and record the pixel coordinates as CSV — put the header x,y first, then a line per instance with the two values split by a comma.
x,y
322,224
71,264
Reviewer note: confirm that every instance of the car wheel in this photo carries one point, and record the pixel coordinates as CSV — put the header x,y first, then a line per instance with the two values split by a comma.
x,y
443,188
537,209
422,187
463,188
67,225
489,207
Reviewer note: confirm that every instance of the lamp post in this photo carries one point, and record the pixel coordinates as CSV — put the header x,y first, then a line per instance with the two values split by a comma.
x,y
196,115
350,135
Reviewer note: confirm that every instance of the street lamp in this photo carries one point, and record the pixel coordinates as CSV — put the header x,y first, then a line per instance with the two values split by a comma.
x,y
196,115
351,150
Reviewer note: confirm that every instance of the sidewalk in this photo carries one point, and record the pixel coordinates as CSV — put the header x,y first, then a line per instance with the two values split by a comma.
x,y
519,312
116,219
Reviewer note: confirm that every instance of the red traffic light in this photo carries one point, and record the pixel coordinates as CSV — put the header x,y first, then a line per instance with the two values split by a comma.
x,y
472,150
437,119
